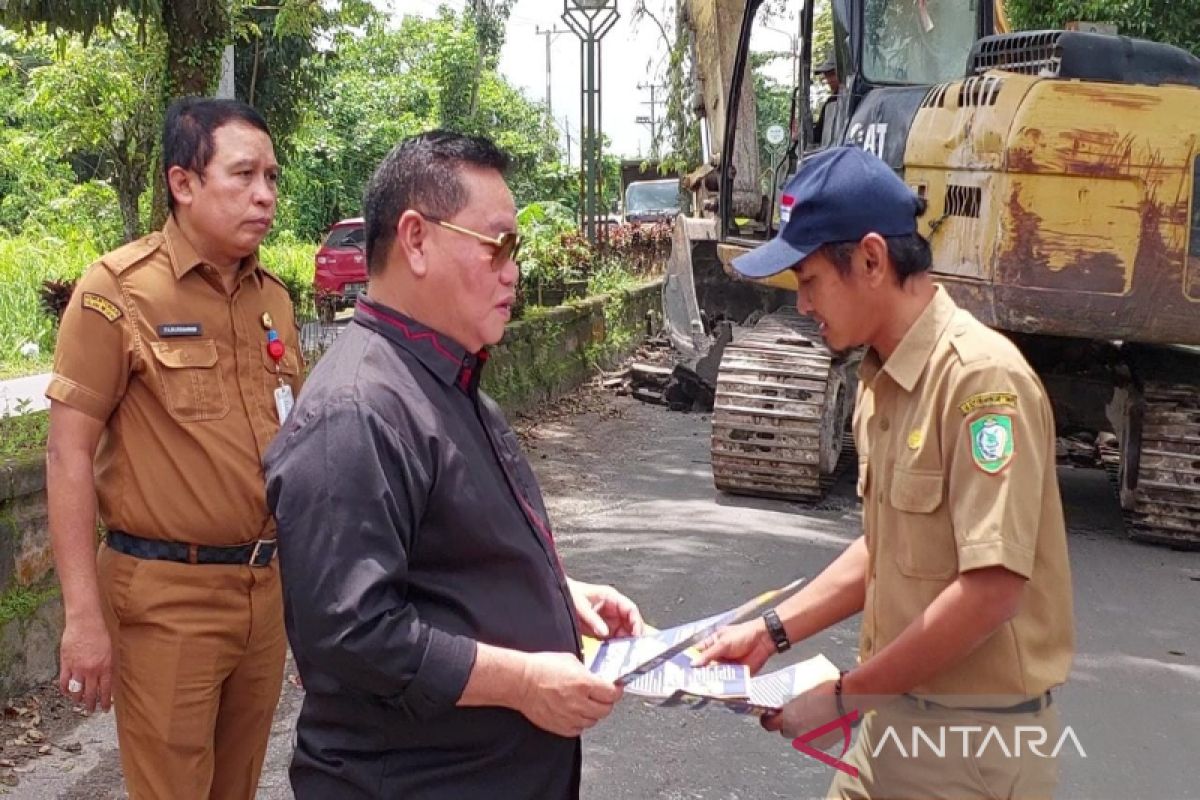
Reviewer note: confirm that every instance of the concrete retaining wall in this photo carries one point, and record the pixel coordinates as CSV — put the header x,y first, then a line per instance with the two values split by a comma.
x,y
549,354
30,605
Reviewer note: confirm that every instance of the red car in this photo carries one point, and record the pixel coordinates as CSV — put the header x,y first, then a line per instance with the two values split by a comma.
x,y
341,273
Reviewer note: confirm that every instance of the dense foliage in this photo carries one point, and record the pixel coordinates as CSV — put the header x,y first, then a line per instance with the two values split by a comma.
x,y
83,86
1168,21
558,262
387,83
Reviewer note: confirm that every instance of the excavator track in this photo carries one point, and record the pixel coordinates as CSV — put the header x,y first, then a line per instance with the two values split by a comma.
x,y
1164,504
782,402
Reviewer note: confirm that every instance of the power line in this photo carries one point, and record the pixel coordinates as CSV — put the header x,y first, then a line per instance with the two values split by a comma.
x,y
652,119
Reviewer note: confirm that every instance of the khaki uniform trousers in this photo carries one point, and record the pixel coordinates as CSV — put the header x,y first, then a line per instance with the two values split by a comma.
x,y
900,771
198,655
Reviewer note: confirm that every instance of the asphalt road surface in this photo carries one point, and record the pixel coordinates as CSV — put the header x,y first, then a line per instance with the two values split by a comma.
x,y
631,494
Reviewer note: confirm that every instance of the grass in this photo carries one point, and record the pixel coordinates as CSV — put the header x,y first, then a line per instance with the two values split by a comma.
x,y
610,276
22,433
294,263
22,603
26,261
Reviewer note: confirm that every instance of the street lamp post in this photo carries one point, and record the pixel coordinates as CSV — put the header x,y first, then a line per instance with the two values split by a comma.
x,y
590,20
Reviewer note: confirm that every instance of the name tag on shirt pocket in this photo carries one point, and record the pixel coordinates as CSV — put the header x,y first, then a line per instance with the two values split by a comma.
x,y
192,388
924,539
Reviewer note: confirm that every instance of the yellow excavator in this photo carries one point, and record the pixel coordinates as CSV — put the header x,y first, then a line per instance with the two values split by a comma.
x,y
1062,175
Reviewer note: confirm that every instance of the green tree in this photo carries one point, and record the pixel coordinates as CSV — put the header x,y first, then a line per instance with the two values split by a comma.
x,y
30,171
195,31
387,84
99,105
194,34
1168,21
278,66
774,103
488,20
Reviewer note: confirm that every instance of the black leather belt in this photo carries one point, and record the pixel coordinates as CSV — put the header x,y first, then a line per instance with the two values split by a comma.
x,y
256,554
1030,706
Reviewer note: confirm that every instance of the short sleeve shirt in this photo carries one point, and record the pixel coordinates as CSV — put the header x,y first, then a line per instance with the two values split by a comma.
x,y
178,370
956,445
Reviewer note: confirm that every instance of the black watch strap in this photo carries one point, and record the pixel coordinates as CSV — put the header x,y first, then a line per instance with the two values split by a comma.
x,y
775,629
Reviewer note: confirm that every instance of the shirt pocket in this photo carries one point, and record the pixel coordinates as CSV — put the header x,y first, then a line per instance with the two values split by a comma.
x,y
925,546
191,382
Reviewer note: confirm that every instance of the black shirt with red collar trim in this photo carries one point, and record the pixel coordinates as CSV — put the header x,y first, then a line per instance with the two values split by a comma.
x,y
411,527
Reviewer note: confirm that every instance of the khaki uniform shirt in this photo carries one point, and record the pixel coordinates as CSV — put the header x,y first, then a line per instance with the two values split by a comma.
x,y
178,369
956,446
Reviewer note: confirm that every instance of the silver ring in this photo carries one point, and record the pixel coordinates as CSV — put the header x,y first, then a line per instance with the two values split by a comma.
x,y
74,686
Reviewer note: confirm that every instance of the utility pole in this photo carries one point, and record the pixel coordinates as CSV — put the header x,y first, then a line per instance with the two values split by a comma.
x,y
225,89
652,118
549,34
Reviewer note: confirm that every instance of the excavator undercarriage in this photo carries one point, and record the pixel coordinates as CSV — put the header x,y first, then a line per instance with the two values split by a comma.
x,y
1165,503
782,404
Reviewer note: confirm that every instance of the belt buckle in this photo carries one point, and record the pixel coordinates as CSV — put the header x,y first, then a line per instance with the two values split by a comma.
x,y
257,558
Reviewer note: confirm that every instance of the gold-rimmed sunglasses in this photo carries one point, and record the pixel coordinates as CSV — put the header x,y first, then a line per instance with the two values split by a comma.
x,y
507,244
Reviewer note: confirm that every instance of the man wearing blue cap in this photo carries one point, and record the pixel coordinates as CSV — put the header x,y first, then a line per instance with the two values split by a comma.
x,y
962,573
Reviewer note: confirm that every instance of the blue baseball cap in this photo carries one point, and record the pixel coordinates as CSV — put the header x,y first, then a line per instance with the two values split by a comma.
x,y
839,195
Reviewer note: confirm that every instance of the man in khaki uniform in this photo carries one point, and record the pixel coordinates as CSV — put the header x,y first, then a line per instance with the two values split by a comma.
x,y
962,573
176,358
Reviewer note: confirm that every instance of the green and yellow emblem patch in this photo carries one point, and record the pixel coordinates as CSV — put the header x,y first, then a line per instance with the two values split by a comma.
x,y
994,399
992,442
101,305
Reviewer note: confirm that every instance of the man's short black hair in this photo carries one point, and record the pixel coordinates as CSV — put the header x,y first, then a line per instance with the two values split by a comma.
x,y
188,132
421,173
910,254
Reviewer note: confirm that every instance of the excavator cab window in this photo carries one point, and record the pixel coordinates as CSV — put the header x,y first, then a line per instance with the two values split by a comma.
x,y
774,61
773,78
917,42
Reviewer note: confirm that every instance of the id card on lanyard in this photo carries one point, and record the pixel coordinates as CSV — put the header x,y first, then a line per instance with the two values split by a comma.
x,y
284,399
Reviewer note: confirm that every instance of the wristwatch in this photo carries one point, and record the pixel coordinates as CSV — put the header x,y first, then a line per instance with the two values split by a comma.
x,y
775,629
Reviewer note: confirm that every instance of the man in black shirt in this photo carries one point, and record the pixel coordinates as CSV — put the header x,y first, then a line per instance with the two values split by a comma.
x,y
435,630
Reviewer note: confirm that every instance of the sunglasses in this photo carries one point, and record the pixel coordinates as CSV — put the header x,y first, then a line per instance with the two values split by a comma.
x,y
507,244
